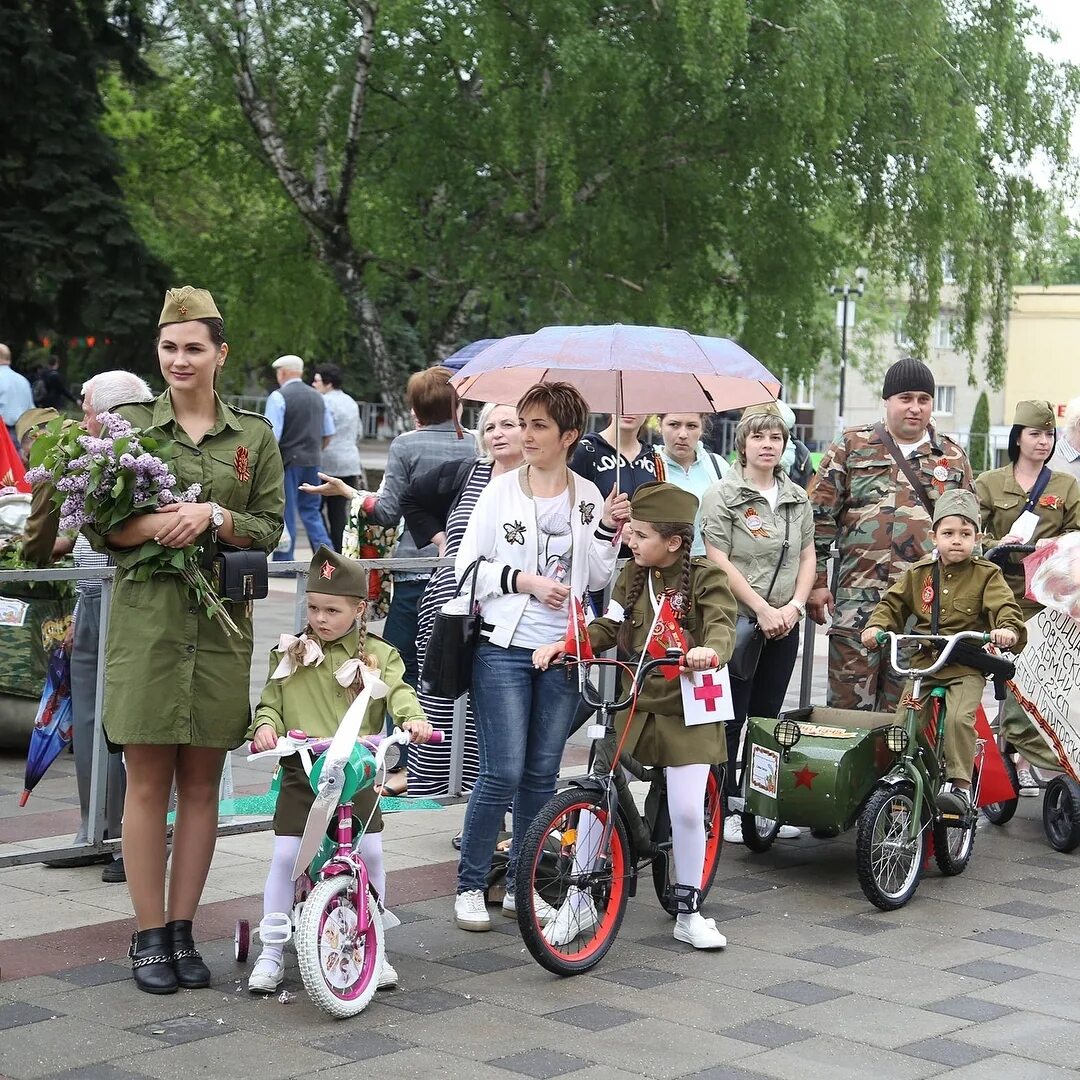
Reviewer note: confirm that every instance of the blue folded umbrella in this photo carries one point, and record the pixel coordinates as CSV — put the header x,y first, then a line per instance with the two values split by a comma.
x,y
52,724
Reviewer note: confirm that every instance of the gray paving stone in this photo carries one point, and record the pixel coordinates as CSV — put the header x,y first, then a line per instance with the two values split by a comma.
x,y
95,974
1049,862
1013,1068
540,1063
97,1072
765,1033
18,1013
426,1001
723,1072
1048,1039
182,1029
361,1045
950,1052
1047,994
839,1059
802,993
639,978
969,1008
593,1017
990,971
1047,886
1023,909
865,925
834,956
1008,939
753,884
484,962
69,1043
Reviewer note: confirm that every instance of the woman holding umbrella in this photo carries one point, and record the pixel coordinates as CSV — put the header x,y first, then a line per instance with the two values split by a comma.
x,y
544,535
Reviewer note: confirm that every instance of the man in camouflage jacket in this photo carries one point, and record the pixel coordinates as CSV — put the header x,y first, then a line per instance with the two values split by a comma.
x,y
866,507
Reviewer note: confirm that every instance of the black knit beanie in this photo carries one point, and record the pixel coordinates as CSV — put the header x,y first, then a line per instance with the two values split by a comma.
x,y
908,376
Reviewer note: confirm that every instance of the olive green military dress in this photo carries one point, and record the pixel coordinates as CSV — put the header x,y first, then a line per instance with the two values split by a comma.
x,y
173,676
658,733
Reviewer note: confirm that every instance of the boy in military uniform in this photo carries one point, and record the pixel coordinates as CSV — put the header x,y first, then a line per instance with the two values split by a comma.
x,y
313,680
867,506
973,596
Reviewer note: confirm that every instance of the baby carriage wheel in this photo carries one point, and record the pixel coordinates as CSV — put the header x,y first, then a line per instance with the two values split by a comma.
x,y
1061,813
241,940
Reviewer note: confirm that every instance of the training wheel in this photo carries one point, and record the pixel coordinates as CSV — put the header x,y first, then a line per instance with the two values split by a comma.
x,y
241,940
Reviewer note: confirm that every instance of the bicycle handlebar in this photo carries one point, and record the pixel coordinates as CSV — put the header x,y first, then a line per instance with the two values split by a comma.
x,y
1000,553
950,640
672,656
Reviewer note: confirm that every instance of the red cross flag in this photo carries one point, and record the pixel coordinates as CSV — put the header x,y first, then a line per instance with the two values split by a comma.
x,y
577,635
706,697
665,634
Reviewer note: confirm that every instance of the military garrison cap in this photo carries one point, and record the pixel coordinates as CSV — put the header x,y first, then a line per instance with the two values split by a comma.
x,y
658,502
957,503
333,573
187,303
31,419
1034,414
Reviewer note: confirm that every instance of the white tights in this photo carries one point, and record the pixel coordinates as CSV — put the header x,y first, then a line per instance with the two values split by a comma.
x,y
279,891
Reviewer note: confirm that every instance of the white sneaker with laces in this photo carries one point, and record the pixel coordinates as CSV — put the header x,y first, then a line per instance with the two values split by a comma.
x,y
733,829
470,911
698,931
267,974
576,916
1029,789
388,976
541,908
789,832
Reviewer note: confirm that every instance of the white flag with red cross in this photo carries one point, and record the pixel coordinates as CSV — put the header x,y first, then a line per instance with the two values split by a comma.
x,y
706,697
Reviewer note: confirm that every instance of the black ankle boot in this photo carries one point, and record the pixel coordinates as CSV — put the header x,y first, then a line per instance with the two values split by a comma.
x,y
191,972
151,961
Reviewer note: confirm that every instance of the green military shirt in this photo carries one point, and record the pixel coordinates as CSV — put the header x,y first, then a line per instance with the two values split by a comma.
x,y
866,506
313,701
172,674
1001,502
710,622
974,596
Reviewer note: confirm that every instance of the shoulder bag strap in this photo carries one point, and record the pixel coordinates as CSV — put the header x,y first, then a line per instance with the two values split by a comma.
x,y
716,468
783,550
1037,488
905,466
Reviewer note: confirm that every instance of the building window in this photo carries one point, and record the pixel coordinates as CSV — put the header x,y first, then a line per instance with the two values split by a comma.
x,y
944,400
900,336
799,393
943,334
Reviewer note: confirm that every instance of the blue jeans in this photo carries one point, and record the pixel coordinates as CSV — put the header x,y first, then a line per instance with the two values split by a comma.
x,y
523,719
308,506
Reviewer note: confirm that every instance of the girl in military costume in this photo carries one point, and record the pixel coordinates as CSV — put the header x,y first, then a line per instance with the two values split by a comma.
x,y
1054,498
313,680
660,535
176,684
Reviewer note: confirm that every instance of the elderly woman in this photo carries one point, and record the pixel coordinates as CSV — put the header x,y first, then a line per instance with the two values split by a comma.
x,y
1066,455
545,536
759,528
685,462
437,507
1027,486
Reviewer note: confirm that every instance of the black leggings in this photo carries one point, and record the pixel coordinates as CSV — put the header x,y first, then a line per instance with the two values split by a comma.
x,y
762,696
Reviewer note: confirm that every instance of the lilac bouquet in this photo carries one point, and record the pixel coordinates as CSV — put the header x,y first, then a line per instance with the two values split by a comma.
x,y
102,481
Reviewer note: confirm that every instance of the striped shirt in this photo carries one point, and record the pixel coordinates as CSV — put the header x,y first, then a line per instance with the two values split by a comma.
x,y
86,558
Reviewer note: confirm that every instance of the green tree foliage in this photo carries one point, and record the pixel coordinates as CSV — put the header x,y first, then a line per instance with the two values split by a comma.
x,y
72,263
426,173
979,437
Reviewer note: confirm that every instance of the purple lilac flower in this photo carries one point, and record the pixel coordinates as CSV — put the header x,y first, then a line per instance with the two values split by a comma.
x,y
37,474
115,426
127,461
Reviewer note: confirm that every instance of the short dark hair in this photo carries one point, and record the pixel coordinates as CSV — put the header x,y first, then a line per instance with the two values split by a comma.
x,y
330,373
563,403
1014,442
430,396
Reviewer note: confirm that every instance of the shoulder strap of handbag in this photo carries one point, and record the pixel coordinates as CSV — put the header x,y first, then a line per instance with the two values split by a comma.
x,y
712,461
905,466
470,571
1037,489
783,551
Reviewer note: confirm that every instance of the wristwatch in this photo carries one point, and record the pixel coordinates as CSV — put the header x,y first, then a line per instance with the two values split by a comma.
x,y
800,607
217,518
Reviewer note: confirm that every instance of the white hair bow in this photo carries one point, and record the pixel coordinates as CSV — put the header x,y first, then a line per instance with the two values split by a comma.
x,y
311,654
347,672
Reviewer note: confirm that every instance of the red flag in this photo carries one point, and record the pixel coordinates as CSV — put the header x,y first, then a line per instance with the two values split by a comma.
x,y
666,634
994,783
577,635
12,473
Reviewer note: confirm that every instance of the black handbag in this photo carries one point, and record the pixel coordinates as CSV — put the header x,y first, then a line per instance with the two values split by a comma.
x,y
241,575
449,659
749,639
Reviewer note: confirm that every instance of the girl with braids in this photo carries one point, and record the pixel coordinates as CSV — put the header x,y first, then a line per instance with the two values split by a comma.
x,y
660,535
313,680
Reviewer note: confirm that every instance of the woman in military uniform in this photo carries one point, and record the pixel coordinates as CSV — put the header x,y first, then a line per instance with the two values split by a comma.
x,y
1027,484
176,684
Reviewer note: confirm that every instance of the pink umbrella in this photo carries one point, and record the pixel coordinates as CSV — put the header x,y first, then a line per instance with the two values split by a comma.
x,y
622,369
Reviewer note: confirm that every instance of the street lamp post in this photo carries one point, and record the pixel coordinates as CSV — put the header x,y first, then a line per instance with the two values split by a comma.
x,y
847,293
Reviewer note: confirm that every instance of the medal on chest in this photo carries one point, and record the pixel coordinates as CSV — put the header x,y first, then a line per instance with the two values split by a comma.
x,y
941,474
754,522
927,594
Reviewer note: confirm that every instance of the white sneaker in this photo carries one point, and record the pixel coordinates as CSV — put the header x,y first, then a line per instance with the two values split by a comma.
x,y
733,829
470,911
266,975
576,916
789,832
543,911
387,976
698,931
1029,789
